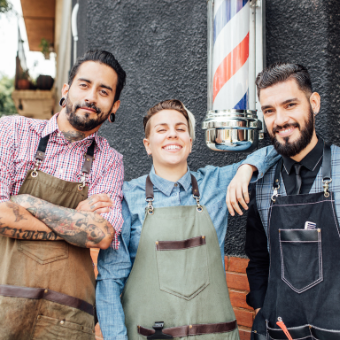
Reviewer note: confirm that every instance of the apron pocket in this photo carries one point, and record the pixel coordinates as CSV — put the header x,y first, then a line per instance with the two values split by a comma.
x,y
44,252
183,266
47,328
301,258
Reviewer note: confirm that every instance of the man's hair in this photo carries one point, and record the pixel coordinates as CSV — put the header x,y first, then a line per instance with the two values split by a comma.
x,y
280,72
102,57
170,104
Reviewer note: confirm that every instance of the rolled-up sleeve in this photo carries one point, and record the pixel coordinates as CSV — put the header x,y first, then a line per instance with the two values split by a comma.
x,y
111,183
263,159
114,267
7,158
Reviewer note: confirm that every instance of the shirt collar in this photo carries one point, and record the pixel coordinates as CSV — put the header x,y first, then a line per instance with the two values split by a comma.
x,y
166,186
309,161
52,127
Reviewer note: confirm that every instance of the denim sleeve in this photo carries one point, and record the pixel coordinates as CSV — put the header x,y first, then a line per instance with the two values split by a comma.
x,y
114,266
263,159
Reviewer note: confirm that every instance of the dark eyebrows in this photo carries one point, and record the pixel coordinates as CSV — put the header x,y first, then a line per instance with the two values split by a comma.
x,y
90,82
85,80
290,101
283,103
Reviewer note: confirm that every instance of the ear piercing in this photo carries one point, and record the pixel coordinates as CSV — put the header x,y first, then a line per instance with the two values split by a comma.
x,y
62,102
112,117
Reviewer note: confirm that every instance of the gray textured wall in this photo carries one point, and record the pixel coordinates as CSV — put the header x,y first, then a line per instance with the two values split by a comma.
x,y
162,46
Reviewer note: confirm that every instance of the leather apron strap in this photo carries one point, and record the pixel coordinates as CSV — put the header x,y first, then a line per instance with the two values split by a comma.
x,y
149,196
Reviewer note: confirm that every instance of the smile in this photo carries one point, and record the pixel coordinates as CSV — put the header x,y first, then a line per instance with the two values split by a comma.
x,y
172,147
286,132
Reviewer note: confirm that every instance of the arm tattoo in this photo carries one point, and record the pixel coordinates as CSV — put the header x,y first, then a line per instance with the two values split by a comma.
x,y
73,136
81,229
16,212
29,235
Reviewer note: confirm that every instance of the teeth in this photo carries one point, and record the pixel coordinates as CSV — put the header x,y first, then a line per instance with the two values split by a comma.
x,y
172,147
284,131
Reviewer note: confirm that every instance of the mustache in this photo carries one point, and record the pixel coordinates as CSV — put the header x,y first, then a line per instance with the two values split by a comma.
x,y
89,105
277,128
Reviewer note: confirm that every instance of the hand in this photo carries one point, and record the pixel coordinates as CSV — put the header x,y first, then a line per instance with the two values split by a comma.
x,y
257,310
238,189
99,203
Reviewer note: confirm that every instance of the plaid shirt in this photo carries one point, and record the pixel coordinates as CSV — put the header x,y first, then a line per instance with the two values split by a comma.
x,y
19,140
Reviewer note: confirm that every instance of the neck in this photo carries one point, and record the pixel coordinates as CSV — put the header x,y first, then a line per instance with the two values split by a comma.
x,y
172,174
300,156
69,132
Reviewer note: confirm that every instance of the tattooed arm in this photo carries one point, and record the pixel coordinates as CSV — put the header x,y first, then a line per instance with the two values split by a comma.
x,y
80,228
17,222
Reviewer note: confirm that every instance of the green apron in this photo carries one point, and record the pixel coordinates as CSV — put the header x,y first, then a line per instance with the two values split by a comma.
x,y
47,289
177,285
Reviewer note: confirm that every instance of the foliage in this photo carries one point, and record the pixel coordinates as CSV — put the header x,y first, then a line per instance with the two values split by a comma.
x,y
5,6
24,75
45,46
7,106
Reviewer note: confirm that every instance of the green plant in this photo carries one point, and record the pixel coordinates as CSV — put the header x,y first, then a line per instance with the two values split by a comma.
x,y
7,106
45,46
24,75
5,6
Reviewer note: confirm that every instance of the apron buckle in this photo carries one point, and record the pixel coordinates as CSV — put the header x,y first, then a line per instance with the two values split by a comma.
x,y
275,192
326,186
34,173
149,208
199,207
158,327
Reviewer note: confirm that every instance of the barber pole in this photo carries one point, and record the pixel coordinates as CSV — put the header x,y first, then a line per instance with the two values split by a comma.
x,y
230,55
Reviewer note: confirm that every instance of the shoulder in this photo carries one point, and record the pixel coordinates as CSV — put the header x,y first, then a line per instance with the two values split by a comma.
x,y
135,185
20,125
112,155
201,173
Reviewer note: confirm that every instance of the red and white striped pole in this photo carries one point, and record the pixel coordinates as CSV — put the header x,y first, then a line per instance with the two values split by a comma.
x,y
230,55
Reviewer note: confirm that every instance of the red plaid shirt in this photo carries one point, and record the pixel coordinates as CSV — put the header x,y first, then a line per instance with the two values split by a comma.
x,y
19,139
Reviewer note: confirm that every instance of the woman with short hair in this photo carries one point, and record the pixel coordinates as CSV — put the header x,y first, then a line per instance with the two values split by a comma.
x,y
167,278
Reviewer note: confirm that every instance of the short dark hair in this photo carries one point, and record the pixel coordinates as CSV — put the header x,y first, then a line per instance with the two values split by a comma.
x,y
279,72
103,57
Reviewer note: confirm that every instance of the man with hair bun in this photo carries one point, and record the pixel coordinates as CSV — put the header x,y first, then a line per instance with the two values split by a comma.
x,y
293,237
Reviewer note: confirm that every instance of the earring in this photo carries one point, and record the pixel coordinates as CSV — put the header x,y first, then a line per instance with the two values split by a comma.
x,y
62,101
149,155
112,117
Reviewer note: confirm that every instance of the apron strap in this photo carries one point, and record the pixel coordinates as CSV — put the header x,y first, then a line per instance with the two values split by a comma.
x,y
40,154
325,171
88,158
149,196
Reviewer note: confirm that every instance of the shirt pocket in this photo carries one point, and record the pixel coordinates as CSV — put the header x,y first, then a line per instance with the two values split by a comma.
x,y
301,258
183,266
44,252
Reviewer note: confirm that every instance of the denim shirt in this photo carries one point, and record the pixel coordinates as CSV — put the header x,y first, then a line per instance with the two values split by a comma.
x,y
114,266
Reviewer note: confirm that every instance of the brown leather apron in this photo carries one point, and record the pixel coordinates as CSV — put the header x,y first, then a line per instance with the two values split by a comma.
x,y
47,288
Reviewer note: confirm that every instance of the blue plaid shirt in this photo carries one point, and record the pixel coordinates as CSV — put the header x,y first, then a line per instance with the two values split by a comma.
x,y
114,266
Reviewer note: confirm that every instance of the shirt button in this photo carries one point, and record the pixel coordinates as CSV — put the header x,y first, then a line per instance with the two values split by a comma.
x,y
62,322
70,146
60,170
176,185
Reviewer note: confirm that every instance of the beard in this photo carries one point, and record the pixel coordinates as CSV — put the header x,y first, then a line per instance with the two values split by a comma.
x,y
84,122
288,149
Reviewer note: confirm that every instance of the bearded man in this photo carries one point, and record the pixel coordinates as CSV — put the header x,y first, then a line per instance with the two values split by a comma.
x,y
293,237
53,175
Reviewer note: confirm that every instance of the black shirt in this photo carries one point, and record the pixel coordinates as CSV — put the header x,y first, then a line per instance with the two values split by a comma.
x,y
256,239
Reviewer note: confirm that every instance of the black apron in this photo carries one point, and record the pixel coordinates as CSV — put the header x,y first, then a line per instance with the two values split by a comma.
x,y
303,286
